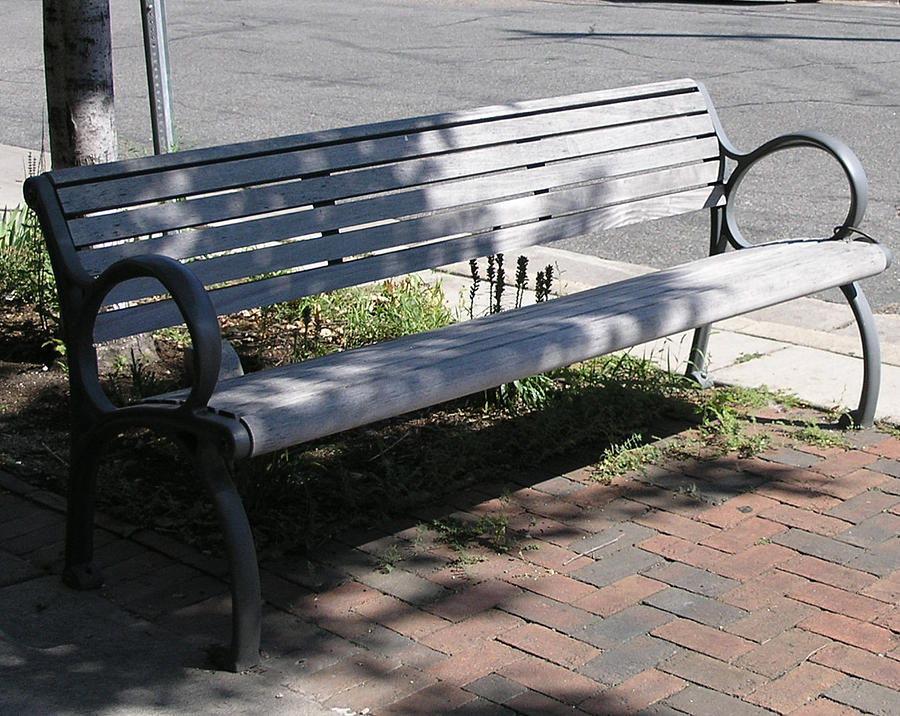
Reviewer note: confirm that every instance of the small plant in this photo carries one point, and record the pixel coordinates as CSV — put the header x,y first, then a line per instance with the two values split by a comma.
x,y
813,434
338,320
387,560
499,286
724,413
133,377
543,284
461,534
528,393
628,456
747,357
495,276
521,279
888,428
473,289
25,272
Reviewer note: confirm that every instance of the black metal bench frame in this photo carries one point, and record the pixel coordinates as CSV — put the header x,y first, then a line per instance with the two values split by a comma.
x,y
316,212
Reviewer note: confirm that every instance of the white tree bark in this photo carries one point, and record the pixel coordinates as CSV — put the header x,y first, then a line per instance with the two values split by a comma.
x,y
79,78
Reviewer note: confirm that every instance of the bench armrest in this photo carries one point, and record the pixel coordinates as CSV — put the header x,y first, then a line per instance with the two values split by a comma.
x,y
849,162
194,304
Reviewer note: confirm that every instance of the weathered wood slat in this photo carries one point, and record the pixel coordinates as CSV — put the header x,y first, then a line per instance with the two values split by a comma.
x,y
151,316
170,216
385,361
584,135
282,227
191,158
345,390
470,220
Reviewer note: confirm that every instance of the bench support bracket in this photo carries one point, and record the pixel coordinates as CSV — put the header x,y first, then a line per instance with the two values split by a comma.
x,y
80,572
214,470
864,415
697,367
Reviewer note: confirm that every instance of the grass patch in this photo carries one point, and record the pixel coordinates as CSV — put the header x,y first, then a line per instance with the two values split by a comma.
x,y
25,271
491,531
630,456
816,435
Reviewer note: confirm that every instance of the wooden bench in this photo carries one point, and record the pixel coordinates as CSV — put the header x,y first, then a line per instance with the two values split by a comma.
x,y
146,243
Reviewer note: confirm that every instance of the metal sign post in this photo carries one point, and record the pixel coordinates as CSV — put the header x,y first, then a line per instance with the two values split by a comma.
x,y
156,52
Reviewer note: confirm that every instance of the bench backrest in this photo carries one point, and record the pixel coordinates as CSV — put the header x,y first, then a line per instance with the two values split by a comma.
x,y
268,221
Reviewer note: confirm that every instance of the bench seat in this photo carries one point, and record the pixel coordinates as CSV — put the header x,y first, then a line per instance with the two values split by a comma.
x,y
292,404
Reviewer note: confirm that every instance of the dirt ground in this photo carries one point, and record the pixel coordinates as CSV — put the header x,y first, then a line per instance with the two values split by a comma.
x,y
34,391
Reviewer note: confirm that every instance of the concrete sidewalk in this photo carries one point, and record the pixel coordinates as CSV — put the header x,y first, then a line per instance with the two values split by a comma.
x,y
16,164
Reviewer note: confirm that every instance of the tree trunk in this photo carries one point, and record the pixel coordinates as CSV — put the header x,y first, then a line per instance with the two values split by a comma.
x,y
78,72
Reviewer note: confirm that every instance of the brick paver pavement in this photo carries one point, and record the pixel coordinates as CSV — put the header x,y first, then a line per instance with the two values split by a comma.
x,y
643,597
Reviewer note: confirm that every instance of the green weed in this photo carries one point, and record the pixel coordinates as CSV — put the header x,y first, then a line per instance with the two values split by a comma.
x,y
747,357
813,434
629,456
889,428
388,559
25,272
462,534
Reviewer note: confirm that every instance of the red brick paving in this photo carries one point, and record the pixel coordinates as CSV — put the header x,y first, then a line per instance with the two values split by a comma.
x,y
736,510
796,688
707,640
743,535
551,680
851,631
760,590
514,631
548,644
890,447
635,694
838,600
825,707
835,575
804,519
542,610
783,652
860,663
771,619
615,597
480,660
753,561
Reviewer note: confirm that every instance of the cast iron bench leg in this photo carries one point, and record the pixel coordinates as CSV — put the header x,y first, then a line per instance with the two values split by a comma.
x,y
697,367
245,589
864,415
80,571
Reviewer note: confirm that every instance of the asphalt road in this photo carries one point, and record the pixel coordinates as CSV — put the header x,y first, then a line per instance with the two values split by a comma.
x,y
246,69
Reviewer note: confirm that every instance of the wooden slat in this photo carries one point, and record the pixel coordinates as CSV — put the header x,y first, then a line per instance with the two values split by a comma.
x,y
595,138
199,241
481,335
426,196
477,219
147,165
148,317
468,219
298,403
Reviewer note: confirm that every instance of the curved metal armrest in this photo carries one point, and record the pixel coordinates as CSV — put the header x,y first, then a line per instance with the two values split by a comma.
x,y
849,162
193,302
